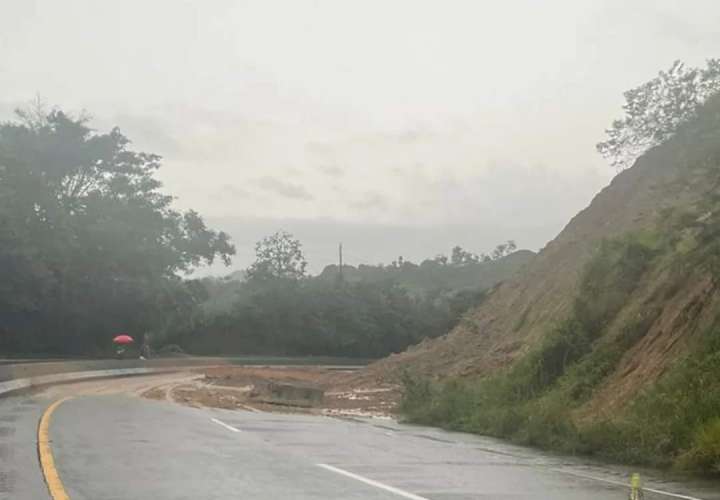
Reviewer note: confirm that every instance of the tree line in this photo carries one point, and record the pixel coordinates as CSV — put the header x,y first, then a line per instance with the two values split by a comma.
x,y
90,246
369,311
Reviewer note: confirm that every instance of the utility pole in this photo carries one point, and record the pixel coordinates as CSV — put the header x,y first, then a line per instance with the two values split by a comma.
x,y
340,269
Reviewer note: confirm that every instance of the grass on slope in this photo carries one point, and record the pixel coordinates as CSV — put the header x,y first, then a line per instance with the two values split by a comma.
x,y
676,421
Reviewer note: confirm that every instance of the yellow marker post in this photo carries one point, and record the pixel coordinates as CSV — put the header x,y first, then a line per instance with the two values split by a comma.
x,y
47,463
636,492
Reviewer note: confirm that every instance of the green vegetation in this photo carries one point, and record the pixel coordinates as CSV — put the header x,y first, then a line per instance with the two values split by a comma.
x,y
368,311
533,401
545,397
89,245
674,421
462,271
655,110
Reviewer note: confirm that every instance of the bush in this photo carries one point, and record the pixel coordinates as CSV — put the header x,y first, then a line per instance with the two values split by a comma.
x,y
673,421
417,395
531,402
704,454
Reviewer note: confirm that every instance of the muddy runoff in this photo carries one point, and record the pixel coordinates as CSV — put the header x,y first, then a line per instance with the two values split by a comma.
x,y
314,390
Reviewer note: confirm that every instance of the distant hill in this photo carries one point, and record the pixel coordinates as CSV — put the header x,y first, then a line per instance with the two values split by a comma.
x,y
370,312
429,276
433,275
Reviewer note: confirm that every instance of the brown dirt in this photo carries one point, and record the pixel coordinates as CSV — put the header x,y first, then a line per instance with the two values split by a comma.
x,y
514,317
251,388
677,325
518,312
244,375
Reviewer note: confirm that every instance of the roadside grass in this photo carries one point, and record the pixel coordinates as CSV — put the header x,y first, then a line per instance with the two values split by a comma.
x,y
674,422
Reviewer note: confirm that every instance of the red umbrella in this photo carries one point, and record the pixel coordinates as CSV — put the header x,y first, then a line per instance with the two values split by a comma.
x,y
123,339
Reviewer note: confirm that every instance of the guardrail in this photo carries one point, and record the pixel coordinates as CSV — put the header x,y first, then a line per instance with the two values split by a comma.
x,y
25,375
11,386
36,369
17,377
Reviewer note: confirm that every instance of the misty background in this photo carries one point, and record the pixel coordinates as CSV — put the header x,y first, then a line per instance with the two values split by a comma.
x,y
398,128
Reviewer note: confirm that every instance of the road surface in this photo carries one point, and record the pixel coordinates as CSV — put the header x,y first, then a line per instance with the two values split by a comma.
x,y
107,443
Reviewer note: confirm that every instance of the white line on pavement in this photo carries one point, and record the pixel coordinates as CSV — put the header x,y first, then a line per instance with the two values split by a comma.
x,y
228,427
412,496
618,483
372,483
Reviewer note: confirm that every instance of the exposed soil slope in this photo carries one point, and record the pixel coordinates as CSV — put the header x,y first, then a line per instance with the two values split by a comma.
x,y
522,309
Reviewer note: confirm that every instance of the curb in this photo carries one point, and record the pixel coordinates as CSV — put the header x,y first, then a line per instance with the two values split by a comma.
x,y
12,386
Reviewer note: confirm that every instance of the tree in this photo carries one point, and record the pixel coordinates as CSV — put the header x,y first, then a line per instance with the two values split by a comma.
x,y
460,257
377,310
87,239
655,110
503,250
440,259
278,256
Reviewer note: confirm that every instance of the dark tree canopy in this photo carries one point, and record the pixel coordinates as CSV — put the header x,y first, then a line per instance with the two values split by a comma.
x,y
90,246
278,256
88,242
503,250
367,311
460,257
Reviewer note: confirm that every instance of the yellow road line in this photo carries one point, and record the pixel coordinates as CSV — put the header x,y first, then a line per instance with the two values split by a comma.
x,y
47,463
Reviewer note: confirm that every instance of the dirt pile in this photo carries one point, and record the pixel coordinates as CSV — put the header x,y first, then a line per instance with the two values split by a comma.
x,y
314,390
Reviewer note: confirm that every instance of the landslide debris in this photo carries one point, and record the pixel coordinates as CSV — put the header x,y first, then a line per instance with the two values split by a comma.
x,y
315,390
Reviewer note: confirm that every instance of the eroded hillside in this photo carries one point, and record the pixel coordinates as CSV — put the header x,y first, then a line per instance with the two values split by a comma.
x,y
517,313
608,333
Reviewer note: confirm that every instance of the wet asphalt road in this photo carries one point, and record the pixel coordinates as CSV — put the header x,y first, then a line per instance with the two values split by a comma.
x,y
116,446
20,476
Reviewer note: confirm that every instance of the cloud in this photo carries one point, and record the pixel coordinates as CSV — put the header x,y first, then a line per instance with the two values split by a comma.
x,y
331,170
228,102
319,147
294,171
283,188
147,132
371,201
365,243
233,192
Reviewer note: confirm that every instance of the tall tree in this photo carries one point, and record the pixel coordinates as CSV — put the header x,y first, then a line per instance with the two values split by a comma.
x,y
655,110
461,257
87,239
503,250
278,256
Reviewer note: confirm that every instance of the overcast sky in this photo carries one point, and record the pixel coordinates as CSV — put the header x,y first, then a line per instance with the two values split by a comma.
x,y
402,127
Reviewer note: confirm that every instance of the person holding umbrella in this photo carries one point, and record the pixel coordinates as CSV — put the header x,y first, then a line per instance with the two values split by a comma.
x,y
145,349
121,342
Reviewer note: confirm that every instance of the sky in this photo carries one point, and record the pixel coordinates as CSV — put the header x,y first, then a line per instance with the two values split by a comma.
x,y
399,127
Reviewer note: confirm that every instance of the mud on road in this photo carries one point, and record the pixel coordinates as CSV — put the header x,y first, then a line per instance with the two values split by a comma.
x,y
291,389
